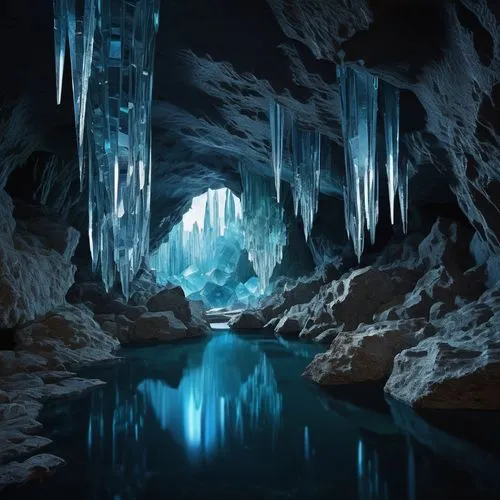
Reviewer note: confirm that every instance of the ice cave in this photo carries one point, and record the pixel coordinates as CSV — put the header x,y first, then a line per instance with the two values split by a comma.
x,y
250,249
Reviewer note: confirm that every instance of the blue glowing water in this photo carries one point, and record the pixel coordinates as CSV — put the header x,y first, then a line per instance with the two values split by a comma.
x,y
229,417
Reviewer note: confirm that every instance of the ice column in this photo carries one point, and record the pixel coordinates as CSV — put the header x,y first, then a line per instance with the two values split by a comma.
x,y
112,52
358,97
277,122
263,226
391,122
306,158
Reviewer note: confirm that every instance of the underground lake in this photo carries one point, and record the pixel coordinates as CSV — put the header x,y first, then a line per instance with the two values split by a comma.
x,y
228,416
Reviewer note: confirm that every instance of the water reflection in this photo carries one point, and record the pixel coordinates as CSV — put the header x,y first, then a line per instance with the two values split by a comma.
x,y
228,418
218,400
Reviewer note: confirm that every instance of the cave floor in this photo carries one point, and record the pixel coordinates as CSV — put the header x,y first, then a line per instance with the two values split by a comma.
x,y
229,417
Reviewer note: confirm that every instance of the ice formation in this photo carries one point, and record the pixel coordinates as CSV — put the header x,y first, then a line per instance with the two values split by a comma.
x,y
111,48
277,123
263,226
306,160
203,260
358,98
391,123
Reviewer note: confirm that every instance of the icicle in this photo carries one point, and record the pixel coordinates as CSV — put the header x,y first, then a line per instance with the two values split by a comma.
x,y
60,36
112,53
277,121
263,226
306,146
391,122
404,168
358,98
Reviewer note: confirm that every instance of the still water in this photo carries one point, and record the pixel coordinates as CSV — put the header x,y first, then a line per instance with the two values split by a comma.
x,y
229,417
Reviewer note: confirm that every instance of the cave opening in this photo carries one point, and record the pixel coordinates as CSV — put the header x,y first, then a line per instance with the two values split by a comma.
x,y
205,254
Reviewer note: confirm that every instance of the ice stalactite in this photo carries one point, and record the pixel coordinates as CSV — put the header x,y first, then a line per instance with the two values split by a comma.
x,y
391,122
358,97
404,168
263,226
306,158
60,36
277,123
111,47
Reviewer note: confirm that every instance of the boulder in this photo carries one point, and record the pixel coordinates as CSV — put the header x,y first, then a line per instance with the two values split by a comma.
x,y
171,299
289,324
66,337
35,467
364,354
247,320
459,367
159,326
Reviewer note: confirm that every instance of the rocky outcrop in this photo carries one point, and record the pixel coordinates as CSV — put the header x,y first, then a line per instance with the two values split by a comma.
x,y
35,268
22,395
247,320
364,354
64,338
459,367
167,316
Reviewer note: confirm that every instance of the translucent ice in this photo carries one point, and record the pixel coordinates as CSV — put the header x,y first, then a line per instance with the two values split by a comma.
x,y
111,47
277,122
306,145
263,226
391,122
358,98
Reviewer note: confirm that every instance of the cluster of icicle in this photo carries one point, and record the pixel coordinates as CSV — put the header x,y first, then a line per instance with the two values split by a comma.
x,y
263,225
359,112
111,44
306,164
196,247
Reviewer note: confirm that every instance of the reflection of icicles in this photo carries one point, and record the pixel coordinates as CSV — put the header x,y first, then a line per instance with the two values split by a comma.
x,y
263,226
412,479
276,122
307,443
306,145
218,402
391,122
358,97
404,167
371,486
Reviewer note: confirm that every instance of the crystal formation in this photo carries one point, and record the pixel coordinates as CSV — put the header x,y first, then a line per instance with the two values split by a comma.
x,y
263,226
111,45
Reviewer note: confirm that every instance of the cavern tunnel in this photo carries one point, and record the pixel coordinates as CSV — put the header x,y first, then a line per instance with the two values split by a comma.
x,y
250,249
